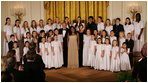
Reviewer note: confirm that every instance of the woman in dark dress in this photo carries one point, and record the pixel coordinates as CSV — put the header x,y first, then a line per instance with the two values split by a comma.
x,y
81,32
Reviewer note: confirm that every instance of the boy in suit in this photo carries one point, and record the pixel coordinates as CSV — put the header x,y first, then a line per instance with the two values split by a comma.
x,y
10,44
130,45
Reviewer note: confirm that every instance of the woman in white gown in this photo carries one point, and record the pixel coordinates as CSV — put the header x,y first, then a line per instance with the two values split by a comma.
x,y
41,26
128,27
24,29
124,58
7,32
108,26
86,45
49,26
115,60
138,33
33,26
57,24
99,55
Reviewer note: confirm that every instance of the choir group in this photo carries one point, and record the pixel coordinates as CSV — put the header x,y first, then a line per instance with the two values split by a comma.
x,y
100,45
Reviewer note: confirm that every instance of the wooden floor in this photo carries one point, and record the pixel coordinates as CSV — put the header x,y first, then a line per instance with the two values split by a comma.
x,y
83,74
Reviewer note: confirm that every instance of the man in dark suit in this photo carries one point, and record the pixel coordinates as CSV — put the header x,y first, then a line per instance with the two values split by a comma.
x,y
130,45
117,27
64,31
91,25
10,44
140,68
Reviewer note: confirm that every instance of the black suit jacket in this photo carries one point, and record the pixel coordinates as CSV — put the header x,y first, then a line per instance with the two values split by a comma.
x,y
117,29
92,26
130,44
10,45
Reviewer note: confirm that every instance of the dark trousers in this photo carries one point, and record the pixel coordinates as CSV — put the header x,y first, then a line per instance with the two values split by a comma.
x,y
131,59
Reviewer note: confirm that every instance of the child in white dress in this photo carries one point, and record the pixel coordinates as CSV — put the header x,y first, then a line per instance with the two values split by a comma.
x,y
124,58
17,52
28,37
100,24
92,52
112,36
33,26
26,48
104,36
107,54
49,53
43,51
99,55
49,26
115,61
108,26
56,50
41,26
86,45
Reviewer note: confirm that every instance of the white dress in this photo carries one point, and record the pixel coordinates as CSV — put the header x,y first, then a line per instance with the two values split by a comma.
x,y
60,39
108,29
17,30
112,38
107,50
115,63
32,29
23,31
17,54
100,26
47,28
121,41
91,55
25,50
86,47
77,28
124,60
39,29
138,44
128,29
58,26
99,60
8,30
49,56
43,53
56,61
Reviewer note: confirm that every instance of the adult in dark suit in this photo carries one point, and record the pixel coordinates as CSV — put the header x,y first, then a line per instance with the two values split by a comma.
x,y
140,68
117,27
91,25
130,45
64,31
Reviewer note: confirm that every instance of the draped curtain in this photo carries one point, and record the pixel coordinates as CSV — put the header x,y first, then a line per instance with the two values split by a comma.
x,y
73,9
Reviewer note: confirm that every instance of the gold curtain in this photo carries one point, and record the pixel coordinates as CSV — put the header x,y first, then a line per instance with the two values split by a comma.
x,y
73,9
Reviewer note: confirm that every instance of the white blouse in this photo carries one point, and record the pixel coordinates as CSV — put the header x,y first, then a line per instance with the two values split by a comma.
x,y
17,30
128,29
47,28
108,29
39,29
100,26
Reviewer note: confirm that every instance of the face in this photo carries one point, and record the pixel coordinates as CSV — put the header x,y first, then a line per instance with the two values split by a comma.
x,y
112,33
121,34
127,21
50,33
129,35
13,38
43,34
107,22
99,20
64,25
49,39
43,40
41,22
117,21
56,32
90,19
104,33
26,24
8,21
114,43
124,45
55,38
57,20
66,19
28,35
72,30
27,44
88,32
34,34
49,21
79,19
34,23
92,37
99,41
95,32
17,23
15,45
106,41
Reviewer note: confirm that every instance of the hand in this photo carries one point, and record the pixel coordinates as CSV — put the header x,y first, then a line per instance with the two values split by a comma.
x,y
6,40
115,57
53,54
47,53
139,37
20,68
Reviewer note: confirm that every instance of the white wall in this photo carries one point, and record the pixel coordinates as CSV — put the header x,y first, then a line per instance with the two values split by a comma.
x,y
120,9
